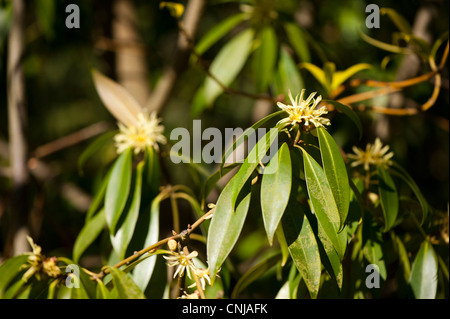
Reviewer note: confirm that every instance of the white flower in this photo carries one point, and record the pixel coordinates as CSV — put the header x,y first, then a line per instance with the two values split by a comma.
x,y
203,276
183,261
146,133
138,129
373,155
304,111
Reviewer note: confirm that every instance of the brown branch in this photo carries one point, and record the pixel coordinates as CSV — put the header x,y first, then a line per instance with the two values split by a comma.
x,y
16,241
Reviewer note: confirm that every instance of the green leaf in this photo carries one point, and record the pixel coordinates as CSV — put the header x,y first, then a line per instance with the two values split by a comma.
x,y
275,190
225,227
213,179
10,269
218,31
255,273
303,246
95,146
252,161
288,76
99,197
347,110
227,64
143,271
126,287
323,204
336,173
423,278
297,39
265,58
372,249
118,188
388,197
244,136
400,172
90,231
123,235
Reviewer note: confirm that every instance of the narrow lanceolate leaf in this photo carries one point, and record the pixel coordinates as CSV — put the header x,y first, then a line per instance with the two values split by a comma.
x,y
125,286
122,237
298,41
303,247
117,100
241,139
265,58
388,197
336,173
424,272
144,270
323,204
372,249
288,76
275,190
117,189
225,227
90,231
227,64
253,159
347,110
8,270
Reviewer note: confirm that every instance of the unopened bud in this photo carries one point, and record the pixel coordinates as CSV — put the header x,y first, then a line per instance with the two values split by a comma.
x,y
172,244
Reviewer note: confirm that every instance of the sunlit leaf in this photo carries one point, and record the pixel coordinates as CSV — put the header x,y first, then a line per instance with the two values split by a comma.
x,y
118,189
383,45
227,64
288,76
317,72
90,231
323,204
275,190
339,77
9,269
297,39
336,173
265,58
225,227
423,278
176,9
121,238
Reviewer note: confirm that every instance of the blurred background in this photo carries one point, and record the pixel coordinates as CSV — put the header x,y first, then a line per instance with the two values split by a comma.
x,y
139,45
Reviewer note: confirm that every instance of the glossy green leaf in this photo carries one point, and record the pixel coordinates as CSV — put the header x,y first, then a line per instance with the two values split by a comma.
x,y
336,173
372,249
121,238
226,225
117,189
388,197
255,273
99,197
90,231
213,179
218,31
227,64
303,247
143,271
298,41
347,110
126,287
241,139
288,76
279,234
252,161
323,204
10,269
275,190
403,174
424,272
265,58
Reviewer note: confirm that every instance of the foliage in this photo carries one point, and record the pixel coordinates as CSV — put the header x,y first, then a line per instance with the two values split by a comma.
x,y
304,224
